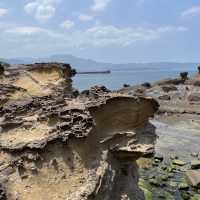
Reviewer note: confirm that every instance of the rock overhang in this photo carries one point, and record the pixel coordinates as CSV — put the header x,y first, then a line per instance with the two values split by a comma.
x,y
101,133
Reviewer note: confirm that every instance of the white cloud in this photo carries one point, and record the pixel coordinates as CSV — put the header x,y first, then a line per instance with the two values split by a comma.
x,y
25,30
110,35
100,5
3,12
96,7
195,10
30,39
34,38
85,17
172,29
67,24
33,32
42,10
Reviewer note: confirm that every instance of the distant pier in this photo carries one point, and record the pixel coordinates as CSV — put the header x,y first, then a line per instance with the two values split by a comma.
x,y
95,72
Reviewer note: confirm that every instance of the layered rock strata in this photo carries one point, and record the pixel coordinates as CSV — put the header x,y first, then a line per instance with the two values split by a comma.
x,y
54,146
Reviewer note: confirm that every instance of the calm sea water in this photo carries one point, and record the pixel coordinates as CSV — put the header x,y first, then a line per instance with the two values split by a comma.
x,y
116,79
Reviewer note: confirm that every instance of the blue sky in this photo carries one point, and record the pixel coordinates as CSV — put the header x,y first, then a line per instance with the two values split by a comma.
x,y
106,30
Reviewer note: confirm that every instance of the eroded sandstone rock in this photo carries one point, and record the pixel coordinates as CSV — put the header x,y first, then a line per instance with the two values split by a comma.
x,y
40,79
56,147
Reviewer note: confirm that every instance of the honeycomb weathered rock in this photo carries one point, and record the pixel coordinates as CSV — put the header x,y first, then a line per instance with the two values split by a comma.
x,y
56,147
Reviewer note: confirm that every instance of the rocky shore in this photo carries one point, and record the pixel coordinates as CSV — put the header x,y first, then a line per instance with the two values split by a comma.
x,y
141,142
174,172
61,145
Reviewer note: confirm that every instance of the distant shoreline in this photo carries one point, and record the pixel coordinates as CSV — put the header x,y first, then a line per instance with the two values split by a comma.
x,y
95,72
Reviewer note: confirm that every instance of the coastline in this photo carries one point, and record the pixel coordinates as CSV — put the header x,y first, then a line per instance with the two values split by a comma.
x,y
127,125
169,173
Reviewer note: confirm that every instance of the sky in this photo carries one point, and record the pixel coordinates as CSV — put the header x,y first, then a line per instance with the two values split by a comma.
x,y
117,31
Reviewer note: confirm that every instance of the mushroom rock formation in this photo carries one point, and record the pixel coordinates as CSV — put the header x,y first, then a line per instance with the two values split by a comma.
x,y
1,69
56,147
184,75
198,69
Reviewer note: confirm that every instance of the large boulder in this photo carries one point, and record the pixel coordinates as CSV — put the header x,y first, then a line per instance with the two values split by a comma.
x,y
42,79
78,151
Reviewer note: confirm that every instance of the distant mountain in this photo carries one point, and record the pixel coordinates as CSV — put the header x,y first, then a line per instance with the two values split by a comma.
x,y
82,64
77,63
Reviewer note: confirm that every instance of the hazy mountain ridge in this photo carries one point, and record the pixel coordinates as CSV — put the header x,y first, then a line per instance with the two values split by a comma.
x,y
82,64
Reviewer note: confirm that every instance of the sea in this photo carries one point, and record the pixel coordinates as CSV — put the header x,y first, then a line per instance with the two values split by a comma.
x,y
117,78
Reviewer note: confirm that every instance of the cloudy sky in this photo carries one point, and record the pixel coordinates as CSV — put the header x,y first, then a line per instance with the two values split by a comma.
x,y
105,30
